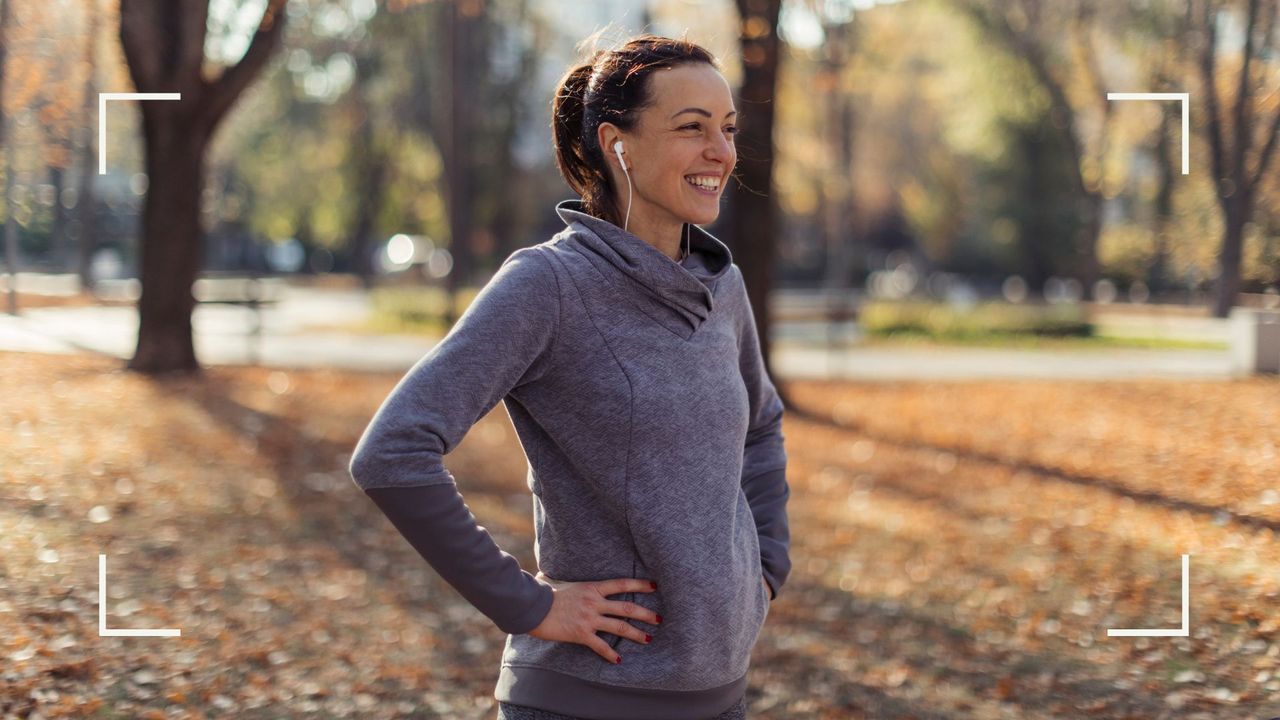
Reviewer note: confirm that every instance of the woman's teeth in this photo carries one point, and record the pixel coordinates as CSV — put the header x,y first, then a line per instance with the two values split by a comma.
x,y
706,184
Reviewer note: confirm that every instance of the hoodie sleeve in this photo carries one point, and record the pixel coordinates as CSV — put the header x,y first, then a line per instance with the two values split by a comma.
x,y
503,340
764,466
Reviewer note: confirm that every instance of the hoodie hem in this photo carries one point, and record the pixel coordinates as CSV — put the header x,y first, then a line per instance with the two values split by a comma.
x,y
568,695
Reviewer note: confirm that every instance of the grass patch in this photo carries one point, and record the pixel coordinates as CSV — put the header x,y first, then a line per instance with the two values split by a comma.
x,y
982,321
412,310
1035,342
999,324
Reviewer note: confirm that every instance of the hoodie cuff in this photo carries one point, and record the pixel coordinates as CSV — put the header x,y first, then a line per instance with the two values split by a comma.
x,y
776,563
439,525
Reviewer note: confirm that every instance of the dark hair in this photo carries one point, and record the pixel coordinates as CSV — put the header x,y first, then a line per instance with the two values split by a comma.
x,y
611,86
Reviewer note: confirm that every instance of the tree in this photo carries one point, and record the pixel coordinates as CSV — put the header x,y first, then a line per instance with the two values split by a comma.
x,y
1232,139
486,72
752,228
164,45
88,151
1033,31
1160,48
10,232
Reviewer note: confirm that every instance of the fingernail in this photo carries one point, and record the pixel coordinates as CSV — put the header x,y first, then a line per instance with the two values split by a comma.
x,y
648,638
659,619
617,660
653,584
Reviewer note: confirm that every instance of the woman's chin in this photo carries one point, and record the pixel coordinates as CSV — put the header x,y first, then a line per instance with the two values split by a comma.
x,y
702,216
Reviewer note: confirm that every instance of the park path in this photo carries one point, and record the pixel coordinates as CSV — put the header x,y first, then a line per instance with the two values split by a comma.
x,y
291,338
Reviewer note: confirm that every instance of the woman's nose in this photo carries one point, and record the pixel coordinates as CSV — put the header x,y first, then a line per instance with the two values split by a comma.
x,y
720,148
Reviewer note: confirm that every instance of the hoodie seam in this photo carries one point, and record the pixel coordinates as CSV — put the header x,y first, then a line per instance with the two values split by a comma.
x,y
631,413
559,301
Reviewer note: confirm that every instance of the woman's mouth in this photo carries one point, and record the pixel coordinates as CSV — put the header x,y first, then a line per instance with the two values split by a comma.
x,y
704,184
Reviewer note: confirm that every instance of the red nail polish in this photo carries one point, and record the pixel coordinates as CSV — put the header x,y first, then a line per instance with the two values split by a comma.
x,y
653,584
648,638
617,660
659,619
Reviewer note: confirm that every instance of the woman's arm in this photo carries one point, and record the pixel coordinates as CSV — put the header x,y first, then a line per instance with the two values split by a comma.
x,y
504,339
764,461
439,525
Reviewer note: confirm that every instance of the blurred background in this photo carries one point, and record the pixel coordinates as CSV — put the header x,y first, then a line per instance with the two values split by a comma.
x,y
950,169
1029,361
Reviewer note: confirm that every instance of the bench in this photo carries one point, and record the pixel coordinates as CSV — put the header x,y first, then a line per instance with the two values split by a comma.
x,y
249,291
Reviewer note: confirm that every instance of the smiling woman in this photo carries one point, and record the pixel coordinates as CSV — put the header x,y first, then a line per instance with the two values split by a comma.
x,y
628,360
676,121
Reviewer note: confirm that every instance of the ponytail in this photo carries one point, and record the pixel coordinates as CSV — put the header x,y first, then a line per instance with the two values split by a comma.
x,y
578,164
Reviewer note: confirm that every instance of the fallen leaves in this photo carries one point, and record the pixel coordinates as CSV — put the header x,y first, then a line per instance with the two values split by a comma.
x,y
959,550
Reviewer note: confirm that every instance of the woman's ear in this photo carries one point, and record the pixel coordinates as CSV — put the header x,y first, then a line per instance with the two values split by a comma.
x,y
607,135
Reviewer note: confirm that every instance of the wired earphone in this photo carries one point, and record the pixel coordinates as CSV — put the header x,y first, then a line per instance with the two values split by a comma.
x,y
617,148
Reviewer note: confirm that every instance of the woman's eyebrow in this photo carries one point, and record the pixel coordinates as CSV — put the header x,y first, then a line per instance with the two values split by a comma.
x,y
702,112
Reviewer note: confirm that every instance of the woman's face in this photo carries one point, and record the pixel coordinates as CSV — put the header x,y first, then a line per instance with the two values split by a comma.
x,y
687,131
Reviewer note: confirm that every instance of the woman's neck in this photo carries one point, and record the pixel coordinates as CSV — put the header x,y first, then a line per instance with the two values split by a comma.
x,y
667,236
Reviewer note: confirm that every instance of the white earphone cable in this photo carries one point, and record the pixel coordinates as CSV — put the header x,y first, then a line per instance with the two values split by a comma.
x,y
684,241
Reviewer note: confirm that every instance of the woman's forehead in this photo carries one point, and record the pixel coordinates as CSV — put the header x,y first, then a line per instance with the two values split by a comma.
x,y
691,88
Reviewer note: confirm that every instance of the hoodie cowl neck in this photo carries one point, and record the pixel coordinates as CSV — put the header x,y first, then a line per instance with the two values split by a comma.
x,y
687,287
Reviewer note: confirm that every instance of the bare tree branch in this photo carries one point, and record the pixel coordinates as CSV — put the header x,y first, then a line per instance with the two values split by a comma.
x,y
1208,71
190,45
222,92
1273,133
1244,106
998,24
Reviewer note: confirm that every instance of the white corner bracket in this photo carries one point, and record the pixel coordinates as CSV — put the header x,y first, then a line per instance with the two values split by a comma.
x,y
1186,116
102,118
103,630
1184,631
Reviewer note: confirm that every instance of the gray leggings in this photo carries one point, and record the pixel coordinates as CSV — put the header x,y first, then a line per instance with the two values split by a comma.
x,y
507,711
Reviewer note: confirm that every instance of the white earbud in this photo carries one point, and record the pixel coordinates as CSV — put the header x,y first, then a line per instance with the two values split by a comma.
x,y
617,149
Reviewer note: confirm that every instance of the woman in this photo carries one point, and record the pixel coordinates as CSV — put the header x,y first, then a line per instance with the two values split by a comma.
x,y
626,355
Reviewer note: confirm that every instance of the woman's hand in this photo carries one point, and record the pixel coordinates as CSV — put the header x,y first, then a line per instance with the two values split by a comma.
x,y
579,609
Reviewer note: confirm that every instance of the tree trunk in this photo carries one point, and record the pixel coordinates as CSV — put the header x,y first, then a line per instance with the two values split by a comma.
x,y
1231,138
371,171
752,227
457,159
171,250
1158,272
370,168
87,237
1090,268
9,230
58,229
163,45
85,205
1238,210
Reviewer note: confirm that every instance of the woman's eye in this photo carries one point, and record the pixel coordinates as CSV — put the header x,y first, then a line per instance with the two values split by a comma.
x,y
694,126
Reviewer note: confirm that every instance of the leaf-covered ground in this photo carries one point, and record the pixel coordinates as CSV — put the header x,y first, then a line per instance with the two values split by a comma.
x,y
959,551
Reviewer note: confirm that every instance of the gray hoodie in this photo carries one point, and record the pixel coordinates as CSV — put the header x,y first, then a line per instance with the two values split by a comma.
x,y
655,448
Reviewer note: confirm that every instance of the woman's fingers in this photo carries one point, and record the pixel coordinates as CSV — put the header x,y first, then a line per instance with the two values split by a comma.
x,y
631,610
624,629
583,608
618,586
595,642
